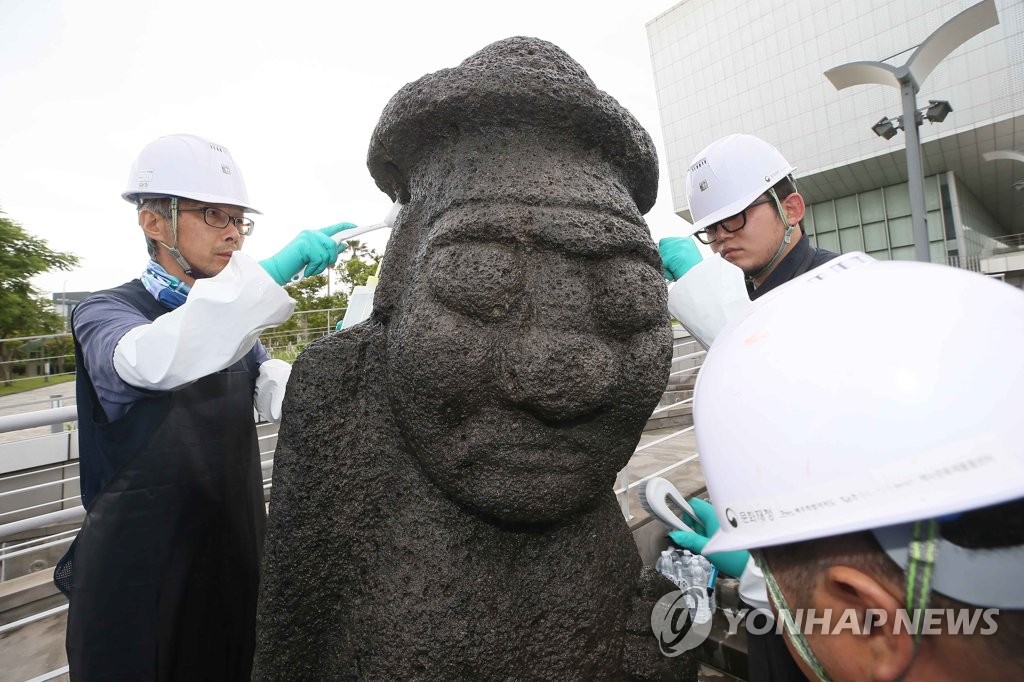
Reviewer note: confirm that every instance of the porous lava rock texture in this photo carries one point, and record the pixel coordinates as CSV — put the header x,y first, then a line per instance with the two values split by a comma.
x,y
443,502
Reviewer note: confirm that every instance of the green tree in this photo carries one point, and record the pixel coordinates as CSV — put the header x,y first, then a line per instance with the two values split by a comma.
x,y
23,312
311,294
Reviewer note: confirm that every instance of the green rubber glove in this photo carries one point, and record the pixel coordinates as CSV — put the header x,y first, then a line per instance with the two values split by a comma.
x,y
729,563
310,253
678,255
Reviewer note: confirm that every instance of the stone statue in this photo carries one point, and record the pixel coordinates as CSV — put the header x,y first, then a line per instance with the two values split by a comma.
x,y
442,504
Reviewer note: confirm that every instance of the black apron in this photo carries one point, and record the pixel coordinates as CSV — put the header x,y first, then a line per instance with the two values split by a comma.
x,y
164,573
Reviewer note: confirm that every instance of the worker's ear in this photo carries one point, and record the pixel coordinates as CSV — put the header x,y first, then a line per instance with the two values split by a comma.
x,y
155,226
794,207
877,643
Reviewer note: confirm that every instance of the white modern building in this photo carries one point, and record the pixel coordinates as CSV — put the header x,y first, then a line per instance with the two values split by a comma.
x,y
757,66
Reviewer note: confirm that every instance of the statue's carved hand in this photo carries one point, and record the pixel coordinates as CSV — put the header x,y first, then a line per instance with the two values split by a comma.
x,y
642,657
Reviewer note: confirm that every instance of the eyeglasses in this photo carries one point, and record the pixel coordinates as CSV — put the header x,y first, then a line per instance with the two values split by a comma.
x,y
737,222
215,217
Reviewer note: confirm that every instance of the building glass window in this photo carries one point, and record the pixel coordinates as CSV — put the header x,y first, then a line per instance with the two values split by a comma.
x,y
829,241
874,238
847,212
897,201
850,239
901,233
871,207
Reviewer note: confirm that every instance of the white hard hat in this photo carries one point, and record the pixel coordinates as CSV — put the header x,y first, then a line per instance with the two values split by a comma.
x,y
190,167
729,174
856,398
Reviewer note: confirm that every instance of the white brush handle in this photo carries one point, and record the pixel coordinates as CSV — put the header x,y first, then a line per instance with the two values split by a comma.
x,y
345,235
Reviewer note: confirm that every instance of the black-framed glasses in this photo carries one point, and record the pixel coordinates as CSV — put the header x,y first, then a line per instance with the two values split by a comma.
x,y
733,224
215,217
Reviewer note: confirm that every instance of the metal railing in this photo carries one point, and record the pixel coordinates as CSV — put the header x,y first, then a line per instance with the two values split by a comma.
x,y
48,356
1006,244
35,516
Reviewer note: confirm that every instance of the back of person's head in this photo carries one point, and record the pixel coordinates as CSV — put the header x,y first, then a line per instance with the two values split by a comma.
x,y
860,424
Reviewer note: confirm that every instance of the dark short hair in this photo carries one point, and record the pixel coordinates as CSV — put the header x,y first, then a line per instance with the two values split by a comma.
x,y
784,187
162,207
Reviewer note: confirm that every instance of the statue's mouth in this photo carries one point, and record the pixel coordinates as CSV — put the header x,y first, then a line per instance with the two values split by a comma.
x,y
515,440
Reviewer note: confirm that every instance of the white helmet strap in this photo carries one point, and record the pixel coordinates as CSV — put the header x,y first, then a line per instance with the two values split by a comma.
x,y
173,248
786,238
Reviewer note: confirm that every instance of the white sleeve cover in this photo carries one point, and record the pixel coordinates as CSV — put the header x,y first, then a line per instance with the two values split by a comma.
x,y
707,297
753,589
270,387
217,325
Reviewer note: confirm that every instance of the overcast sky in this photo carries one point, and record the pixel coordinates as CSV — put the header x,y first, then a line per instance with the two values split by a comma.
x,y
293,89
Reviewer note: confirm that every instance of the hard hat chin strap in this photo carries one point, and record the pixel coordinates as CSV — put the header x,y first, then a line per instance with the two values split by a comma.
x,y
173,248
786,238
789,622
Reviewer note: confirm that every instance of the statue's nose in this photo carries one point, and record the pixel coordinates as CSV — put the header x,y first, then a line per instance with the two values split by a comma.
x,y
555,374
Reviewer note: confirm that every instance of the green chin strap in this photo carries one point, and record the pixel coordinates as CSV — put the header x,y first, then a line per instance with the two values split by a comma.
x,y
173,248
786,238
796,637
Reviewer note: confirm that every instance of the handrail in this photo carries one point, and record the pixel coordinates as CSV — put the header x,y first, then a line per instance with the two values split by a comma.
x,y
29,420
39,486
1003,244
33,541
41,505
28,550
690,356
684,371
52,675
62,516
666,408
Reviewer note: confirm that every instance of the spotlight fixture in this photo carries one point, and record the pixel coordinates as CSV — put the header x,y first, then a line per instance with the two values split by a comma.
x,y
885,128
938,110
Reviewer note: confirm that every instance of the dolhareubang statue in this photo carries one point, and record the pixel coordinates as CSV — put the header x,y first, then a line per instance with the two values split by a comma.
x,y
442,504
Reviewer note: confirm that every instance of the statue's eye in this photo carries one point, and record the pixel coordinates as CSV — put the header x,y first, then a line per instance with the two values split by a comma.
x,y
482,280
630,296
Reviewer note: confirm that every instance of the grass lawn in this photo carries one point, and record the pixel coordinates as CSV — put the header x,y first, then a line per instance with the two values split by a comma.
x,y
22,385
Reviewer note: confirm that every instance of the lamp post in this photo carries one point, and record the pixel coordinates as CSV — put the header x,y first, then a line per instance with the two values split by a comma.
x,y
908,79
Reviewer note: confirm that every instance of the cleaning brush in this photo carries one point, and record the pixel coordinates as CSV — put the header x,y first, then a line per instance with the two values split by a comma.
x,y
654,497
345,235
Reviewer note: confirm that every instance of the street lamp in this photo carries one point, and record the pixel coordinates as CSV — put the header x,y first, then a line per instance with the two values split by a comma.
x,y
908,79
887,128
935,112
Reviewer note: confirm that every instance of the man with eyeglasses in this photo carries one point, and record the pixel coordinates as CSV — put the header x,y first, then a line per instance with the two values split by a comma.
x,y
163,576
744,204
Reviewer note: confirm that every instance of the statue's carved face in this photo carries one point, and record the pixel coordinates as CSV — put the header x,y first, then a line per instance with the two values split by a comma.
x,y
522,363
